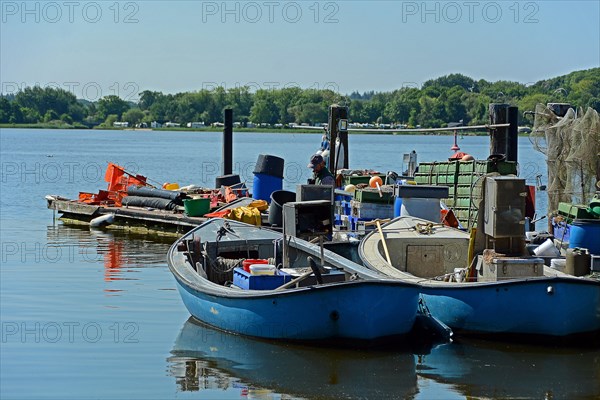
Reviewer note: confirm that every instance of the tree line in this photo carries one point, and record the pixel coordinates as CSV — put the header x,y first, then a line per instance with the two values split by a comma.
x,y
450,98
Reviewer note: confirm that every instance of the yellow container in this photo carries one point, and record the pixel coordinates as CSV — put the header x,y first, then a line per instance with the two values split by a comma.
x,y
171,186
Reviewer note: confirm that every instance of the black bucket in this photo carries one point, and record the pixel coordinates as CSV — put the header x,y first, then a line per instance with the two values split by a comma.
x,y
227,180
278,199
269,165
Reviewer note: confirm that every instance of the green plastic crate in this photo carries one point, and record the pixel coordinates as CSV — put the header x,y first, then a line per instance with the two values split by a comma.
x,y
467,178
469,190
467,216
423,179
574,211
358,179
486,166
426,168
449,202
370,195
461,212
445,167
466,201
446,180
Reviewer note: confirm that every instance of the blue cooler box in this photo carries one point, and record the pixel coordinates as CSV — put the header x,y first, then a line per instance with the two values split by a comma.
x,y
246,280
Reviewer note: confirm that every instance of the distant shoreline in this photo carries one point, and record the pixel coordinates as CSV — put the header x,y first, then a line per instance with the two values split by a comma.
x,y
211,129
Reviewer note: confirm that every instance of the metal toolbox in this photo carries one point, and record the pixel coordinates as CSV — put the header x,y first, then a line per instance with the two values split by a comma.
x,y
508,268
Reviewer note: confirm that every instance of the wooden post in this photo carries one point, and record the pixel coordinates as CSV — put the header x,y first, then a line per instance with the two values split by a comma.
x,y
338,157
512,148
498,136
228,142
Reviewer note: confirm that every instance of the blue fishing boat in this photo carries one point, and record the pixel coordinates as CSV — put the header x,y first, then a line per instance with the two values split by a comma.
x,y
524,298
305,301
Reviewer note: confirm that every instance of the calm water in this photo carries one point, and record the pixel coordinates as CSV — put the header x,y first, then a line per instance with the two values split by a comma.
x,y
95,314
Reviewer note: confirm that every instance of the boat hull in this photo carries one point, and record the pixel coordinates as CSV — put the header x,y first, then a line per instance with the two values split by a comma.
x,y
547,306
365,310
555,304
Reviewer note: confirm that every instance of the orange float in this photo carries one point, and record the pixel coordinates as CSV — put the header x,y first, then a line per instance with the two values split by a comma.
x,y
374,181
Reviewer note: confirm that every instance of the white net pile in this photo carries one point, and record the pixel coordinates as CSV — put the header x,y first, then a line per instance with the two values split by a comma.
x,y
572,148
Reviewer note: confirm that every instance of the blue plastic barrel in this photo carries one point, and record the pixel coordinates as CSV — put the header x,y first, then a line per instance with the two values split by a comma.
x,y
264,185
397,206
585,233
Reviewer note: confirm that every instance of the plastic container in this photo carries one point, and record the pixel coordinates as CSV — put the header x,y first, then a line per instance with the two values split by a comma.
x,y
269,165
547,249
171,186
227,180
264,185
278,199
196,207
247,263
585,233
397,207
246,280
263,269
531,235
578,262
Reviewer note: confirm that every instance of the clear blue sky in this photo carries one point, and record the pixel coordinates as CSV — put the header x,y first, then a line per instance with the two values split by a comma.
x,y
107,47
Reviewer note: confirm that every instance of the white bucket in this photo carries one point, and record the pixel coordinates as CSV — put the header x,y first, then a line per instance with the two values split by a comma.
x,y
547,249
558,264
531,235
262,269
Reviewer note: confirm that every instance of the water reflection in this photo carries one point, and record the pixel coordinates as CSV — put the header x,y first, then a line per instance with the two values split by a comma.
x,y
495,370
204,358
120,252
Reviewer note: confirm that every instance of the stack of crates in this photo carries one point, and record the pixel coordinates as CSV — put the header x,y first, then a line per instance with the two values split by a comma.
x,y
465,182
369,204
439,174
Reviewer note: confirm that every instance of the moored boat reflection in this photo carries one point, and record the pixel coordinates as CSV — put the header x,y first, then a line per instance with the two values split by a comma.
x,y
204,358
483,369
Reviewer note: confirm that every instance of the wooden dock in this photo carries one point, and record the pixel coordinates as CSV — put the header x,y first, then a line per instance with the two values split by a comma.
x,y
132,218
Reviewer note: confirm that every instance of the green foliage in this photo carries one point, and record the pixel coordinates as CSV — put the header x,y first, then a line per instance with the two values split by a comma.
x,y
66,118
110,120
133,116
449,98
46,99
112,104
50,115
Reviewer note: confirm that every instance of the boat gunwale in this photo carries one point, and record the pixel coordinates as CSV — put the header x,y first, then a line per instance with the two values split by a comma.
x,y
187,277
550,275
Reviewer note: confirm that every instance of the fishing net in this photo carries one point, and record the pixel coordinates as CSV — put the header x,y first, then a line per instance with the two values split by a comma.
x,y
572,148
